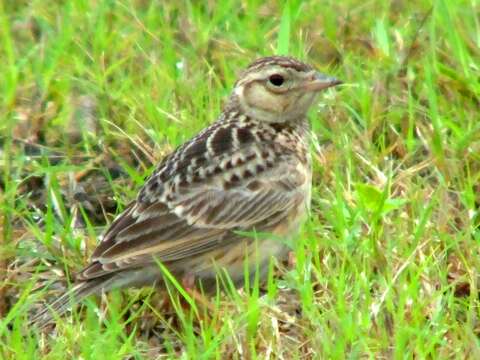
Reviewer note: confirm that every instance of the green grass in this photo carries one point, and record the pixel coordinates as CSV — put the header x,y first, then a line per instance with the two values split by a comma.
x,y
387,265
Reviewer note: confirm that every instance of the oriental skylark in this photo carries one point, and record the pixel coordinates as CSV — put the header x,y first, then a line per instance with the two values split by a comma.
x,y
250,171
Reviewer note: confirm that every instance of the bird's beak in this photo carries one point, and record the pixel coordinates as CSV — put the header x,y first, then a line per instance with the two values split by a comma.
x,y
319,81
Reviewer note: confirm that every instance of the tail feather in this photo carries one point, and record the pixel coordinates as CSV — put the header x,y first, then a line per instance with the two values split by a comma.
x,y
61,305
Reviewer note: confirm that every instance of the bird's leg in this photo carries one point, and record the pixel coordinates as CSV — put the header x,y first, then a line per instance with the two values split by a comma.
x,y
188,283
292,260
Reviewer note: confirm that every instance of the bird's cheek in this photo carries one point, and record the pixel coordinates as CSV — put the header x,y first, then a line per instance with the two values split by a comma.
x,y
258,97
285,105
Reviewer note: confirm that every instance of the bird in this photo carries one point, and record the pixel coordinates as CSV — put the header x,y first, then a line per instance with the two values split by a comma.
x,y
247,173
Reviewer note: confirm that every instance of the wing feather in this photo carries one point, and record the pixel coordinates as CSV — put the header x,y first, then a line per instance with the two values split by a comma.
x,y
197,219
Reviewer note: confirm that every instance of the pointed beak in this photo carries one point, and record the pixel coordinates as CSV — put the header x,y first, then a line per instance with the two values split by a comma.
x,y
319,82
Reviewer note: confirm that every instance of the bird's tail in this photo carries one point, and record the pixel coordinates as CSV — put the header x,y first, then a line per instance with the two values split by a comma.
x,y
77,293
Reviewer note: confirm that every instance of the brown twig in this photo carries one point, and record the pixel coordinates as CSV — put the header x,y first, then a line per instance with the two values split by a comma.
x,y
405,60
4,235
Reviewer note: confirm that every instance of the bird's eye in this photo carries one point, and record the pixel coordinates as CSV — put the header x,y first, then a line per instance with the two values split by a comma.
x,y
276,79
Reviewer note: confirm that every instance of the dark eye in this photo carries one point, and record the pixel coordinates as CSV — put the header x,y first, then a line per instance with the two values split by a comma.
x,y
276,79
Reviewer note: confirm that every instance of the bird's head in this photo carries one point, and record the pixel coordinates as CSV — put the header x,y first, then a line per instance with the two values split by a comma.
x,y
279,88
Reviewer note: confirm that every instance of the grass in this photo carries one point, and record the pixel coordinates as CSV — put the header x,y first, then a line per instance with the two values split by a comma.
x,y
92,93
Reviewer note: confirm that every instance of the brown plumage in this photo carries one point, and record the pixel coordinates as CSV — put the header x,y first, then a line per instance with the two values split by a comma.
x,y
247,172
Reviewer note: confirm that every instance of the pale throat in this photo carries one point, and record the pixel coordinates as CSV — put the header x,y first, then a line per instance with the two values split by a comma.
x,y
260,105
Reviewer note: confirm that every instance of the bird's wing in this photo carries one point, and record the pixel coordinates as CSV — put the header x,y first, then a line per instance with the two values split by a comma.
x,y
198,197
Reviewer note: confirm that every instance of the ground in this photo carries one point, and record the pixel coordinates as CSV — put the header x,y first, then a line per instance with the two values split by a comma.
x,y
94,93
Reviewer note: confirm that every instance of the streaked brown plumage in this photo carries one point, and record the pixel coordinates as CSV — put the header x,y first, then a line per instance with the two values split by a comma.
x,y
248,171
